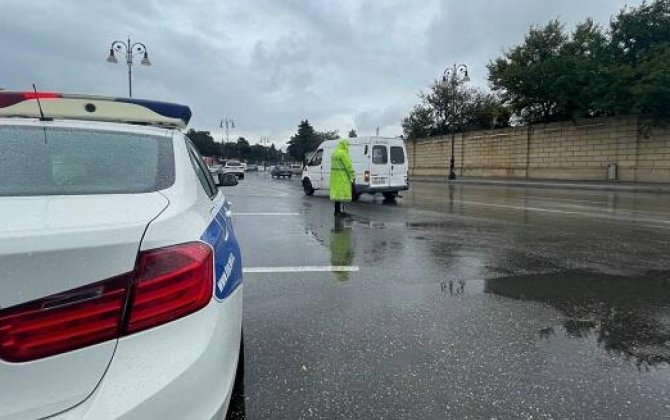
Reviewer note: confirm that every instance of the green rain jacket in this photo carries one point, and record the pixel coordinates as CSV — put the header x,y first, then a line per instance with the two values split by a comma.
x,y
341,173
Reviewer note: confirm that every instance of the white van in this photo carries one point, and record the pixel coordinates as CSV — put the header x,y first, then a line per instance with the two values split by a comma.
x,y
380,164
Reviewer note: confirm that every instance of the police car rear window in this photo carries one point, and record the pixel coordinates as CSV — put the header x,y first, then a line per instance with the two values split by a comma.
x,y
63,161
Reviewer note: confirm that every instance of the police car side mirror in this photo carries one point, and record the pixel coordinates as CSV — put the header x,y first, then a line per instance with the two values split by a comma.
x,y
227,180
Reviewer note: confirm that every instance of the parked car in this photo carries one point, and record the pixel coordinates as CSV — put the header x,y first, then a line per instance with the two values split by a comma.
x,y
379,163
281,170
121,291
252,168
296,169
214,170
232,167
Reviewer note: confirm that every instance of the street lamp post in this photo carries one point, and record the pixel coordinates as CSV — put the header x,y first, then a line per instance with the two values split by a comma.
x,y
130,50
228,124
450,78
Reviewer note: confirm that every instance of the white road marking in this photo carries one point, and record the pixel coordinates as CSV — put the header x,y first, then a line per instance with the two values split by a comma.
x,y
266,214
580,213
280,195
302,269
657,227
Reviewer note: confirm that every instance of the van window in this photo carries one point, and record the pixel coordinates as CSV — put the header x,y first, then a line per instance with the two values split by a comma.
x,y
316,158
379,155
397,155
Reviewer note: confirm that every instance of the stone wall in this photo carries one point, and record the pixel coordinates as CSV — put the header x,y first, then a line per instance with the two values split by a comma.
x,y
581,150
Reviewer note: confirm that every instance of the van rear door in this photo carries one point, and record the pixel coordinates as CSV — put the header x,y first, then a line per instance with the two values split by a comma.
x,y
379,166
398,166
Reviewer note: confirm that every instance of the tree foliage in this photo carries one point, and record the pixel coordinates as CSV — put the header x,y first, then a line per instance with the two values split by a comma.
x,y
241,149
592,71
306,140
419,123
453,105
204,142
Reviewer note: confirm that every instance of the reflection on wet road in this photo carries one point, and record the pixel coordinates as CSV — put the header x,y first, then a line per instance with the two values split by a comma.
x,y
470,302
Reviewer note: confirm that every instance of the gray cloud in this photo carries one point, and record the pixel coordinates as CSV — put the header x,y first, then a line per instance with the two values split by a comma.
x,y
269,64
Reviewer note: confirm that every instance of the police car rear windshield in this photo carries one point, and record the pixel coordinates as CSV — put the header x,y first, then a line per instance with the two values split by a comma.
x,y
62,161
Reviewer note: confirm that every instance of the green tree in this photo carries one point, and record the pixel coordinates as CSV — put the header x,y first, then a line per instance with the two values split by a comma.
x,y
651,92
456,106
204,142
352,134
326,135
554,75
303,142
243,148
529,76
640,40
419,123
636,31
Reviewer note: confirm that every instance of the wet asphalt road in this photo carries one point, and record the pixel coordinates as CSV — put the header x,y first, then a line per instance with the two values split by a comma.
x,y
470,302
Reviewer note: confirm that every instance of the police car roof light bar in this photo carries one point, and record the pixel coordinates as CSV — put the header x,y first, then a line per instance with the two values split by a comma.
x,y
93,108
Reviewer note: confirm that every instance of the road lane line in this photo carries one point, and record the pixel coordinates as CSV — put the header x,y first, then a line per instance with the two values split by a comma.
x,y
302,269
580,213
266,214
279,195
657,227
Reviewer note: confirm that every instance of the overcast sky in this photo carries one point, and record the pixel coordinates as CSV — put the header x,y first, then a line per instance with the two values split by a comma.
x,y
268,64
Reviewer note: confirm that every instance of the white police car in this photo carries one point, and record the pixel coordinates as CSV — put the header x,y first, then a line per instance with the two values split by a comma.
x,y
120,274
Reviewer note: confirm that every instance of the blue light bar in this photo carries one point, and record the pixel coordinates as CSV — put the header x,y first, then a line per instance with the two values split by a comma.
x,y
165,109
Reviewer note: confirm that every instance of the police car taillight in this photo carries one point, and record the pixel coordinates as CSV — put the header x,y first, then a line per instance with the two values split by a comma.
x,y
168,283
171,283
63,322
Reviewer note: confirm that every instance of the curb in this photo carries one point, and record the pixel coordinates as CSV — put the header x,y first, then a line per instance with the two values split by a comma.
x,y
577,185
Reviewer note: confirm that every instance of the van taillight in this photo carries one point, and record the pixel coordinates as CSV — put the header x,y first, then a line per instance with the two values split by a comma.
x,y
366,176
167,284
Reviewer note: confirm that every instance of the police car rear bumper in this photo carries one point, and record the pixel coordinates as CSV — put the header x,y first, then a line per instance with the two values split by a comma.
x,y
184,369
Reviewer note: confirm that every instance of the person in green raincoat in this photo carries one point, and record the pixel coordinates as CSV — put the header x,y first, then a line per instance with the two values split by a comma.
x,y
341,176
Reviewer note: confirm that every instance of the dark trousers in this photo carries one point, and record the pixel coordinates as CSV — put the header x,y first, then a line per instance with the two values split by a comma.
x,y
338,207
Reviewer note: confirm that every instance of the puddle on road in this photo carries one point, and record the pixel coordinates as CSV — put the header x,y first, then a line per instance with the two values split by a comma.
x,y
625,316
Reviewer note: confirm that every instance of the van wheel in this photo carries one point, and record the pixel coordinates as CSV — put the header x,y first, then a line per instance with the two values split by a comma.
x,y
355,196
289,177
390,195
307,186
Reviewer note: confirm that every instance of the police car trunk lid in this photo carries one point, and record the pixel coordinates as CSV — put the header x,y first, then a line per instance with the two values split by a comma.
x,y
53,244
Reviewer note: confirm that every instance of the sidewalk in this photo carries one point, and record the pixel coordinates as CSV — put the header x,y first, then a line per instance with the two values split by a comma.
x,y
548,183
